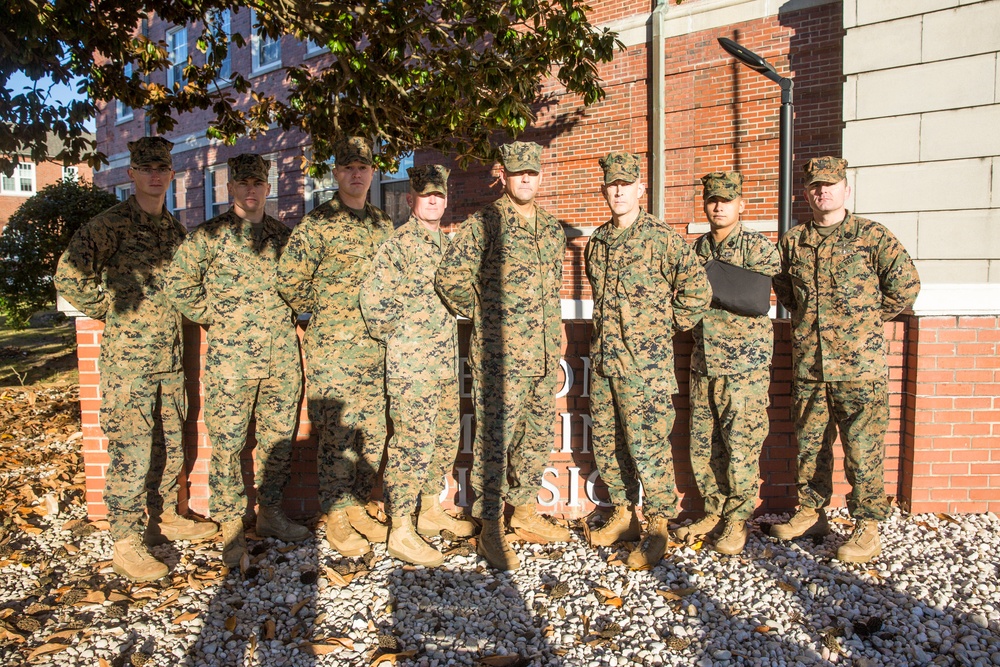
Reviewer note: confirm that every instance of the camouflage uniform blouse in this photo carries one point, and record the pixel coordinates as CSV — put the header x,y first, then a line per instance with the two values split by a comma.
x,y
113,270
647,285
839,291
507,278
224,278
327,257
726,343
402,309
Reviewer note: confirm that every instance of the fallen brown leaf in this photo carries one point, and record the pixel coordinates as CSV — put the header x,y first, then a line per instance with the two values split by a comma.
x,y
46,649
231,623
298,606
169,601
269,629
390,658
503,661
185,617
787,587
677,593
762,629
946,517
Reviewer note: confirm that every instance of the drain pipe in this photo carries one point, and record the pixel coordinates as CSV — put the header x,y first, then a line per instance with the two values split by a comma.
x,y
658,173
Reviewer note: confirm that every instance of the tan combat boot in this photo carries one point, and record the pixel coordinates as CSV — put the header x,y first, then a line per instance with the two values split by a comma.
x,y
493,546
366,524
621,526
171,526
273,522
807,521
733,538
700,529
863,545
133,561
527,520
431,519
234,543
650,551
405,544
340,535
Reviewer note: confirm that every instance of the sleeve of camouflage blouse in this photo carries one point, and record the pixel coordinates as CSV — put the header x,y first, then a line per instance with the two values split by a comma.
x,y
78,274
782,282
765,258
297,269
379,305
897,276
185,279
456,277
692,292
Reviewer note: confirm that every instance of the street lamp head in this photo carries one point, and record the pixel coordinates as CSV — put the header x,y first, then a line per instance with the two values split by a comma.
x,y
745,56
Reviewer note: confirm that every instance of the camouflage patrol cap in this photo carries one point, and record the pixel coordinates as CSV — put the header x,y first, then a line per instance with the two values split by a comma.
x,y
521,156
824,170
620,166
353,149
248,165
429,178
726,185
149,150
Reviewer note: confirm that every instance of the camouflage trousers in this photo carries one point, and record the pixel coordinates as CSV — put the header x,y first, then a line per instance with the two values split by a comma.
x,y
230,403
424,442
631,429
143,419
347,411
860,410
515,434
728,426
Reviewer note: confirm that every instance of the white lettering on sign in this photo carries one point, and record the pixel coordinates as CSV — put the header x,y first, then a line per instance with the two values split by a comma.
x,y
567,378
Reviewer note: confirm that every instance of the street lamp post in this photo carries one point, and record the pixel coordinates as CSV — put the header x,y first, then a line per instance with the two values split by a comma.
x,y
761,66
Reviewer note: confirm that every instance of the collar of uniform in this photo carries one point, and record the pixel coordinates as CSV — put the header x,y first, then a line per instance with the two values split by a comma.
x,y
847,228
371,213
417,228
515,217
267,222
138,214
727,242
608,236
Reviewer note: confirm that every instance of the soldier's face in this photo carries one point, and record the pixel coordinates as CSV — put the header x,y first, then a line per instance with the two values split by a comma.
x,y
827,197
723,213
249,194
354,179
429,208
151,180
623,198
521,186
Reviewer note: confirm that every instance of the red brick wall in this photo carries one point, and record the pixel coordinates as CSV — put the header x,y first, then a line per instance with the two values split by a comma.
x,y
951,457
941,450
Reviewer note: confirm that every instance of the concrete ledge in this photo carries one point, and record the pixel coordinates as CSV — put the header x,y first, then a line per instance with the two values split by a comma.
x,y
958,299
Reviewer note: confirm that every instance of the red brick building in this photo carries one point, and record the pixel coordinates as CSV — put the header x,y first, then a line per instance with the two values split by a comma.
x,y
30,177
678,100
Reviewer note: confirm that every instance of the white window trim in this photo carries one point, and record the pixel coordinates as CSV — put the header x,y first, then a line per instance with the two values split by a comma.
x,y
173,55
123,113
172,194
313,49
71,171
210,188
16,178
255,40
121,189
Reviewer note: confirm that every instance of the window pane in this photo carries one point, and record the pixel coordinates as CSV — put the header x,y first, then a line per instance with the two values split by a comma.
x,y
394,201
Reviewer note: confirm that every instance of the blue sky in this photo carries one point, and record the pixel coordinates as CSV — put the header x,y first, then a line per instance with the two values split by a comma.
x,y
60,93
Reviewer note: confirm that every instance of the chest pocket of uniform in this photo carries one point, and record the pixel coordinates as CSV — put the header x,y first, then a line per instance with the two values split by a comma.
x,y
855,282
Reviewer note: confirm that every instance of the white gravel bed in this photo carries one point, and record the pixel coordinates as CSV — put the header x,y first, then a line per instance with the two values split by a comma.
x,y
930,598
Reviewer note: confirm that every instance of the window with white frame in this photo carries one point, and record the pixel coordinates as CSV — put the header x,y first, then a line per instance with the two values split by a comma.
x,y
123,192
177,54
392,189
319,190
176,195
21,182
271,205
315,49
123,112
71,173
266,51
220,25
216,192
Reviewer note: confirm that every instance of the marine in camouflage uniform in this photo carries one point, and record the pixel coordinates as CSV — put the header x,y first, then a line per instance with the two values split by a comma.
x,y
647,285
113,271
842,277
729,375
328,256
504,272
223,277
420,336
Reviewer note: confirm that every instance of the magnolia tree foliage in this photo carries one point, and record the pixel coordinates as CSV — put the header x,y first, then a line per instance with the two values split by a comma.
x,y
35,237
439,74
